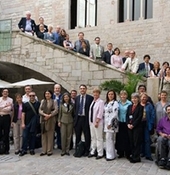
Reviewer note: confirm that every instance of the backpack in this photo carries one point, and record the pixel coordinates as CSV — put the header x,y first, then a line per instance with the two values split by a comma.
x,y
2,147
80,149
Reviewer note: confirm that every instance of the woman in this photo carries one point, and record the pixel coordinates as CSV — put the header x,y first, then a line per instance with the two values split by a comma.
x,y
110,114
84,49
162,71
148,125
40,33
116,59
48,111
156,69
96,125
67,43
16,123
165,82
122,138
62,37
41,22
161,105
65,121
49,36
134,124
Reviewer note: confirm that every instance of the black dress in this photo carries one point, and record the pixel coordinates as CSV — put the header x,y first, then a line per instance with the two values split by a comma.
x,y
84,52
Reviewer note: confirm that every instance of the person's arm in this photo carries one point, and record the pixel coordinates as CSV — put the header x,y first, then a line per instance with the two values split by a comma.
x,y
60,115
112,60
33,26
125,65
138,119
55,111
100,112
91,52
23,120
136,66
115,109
20,25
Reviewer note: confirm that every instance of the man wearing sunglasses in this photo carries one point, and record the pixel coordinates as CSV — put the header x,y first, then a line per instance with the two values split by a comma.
x,y
30,121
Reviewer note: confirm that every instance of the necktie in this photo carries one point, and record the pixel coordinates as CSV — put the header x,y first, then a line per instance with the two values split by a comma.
x,y
97,51
81,105
91,117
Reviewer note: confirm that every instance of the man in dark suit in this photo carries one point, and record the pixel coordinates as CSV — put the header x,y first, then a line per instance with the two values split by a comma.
x,y
81,120
107,54
145,67
27,24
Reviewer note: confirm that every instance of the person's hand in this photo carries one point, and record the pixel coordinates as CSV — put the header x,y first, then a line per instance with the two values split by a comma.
x,y
12,124
108,126
59,124
23,126
164,135
96,124
22,29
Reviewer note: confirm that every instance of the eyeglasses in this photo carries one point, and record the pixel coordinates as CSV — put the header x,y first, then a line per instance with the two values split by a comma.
x,y
31,95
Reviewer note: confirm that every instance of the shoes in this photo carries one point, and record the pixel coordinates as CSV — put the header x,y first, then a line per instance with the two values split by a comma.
x,y
49,154
109,159
135,161
142,155
6,152
22,153
68,154
17,152
162,163
168,165
99,157
32,152
149,158
42,154
86,154
62,154
90,155
120,156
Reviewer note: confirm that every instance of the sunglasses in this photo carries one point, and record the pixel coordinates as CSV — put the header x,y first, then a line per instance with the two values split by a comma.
x,y
31,95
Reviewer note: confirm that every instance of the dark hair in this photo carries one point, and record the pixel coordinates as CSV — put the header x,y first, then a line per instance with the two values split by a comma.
x,y
62,100
83,85
62,30
80,33
97,38
167,107
116,49
163,92
142,85
73,91
28,86
49,92
18,95
147,56
165,63
110,44
107,99
5,89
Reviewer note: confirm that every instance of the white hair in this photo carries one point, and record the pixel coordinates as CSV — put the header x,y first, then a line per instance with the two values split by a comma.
x,y
28,13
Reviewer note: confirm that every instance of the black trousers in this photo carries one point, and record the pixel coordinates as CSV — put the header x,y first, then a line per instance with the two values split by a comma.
x,y
57,129
80,127
5,122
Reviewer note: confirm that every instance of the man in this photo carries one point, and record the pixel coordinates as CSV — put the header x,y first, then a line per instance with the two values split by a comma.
x,y
6,105
57,96
96,50
30,121
107,54
77,44
126,56
163,129
27,24
146,66
57,35
81,120
131,63
25,97
73,94
41,21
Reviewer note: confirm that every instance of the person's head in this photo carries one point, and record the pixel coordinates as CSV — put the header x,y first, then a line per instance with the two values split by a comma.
x,y
83,44
163,95
144,98
58,28
5,93
156,65
141,88
41,27
165,65
146,58
28,15
132,54
126,53
167,71
81,36
67,37
73,94
63,32
97,40
28,89
167,109
123,95
32,96
117,51
41,20
48,94
135,98
109,46
111,95
18,98
83,89
57,89
50,28
66,98
96,93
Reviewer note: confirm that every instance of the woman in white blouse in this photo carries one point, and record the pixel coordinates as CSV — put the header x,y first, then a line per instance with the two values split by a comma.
x,y
110,123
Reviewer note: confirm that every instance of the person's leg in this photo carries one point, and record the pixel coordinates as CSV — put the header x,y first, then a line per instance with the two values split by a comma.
x,y
44,142
110,148
69,136
63,137
58,136
20,135
99,139
147,144
25,140
78,131
164,143
16,136
93,139
50,136
32,139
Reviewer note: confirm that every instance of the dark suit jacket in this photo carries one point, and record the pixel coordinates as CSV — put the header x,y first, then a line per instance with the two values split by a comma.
x,y
84,52
142,67
22,24
137,115
16,107
45,28
106,57
88,102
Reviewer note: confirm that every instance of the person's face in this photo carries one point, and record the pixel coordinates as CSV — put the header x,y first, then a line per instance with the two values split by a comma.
x,y
116,52
83,90
66,98
144,98
73,94
41,27
123,97
83,44
47,95
81,36
111,96
96,95
132,54
109,47
28,16
41,20
18,99
163,96
156,65
32,96
58,29
28,89
57,89
126,54
135,100
141,90
167,71
146,60
168,111
50,29
165,65
97,41
5,93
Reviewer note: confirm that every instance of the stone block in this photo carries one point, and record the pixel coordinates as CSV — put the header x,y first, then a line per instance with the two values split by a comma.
x,y
93,67
97,75
76,73
66,68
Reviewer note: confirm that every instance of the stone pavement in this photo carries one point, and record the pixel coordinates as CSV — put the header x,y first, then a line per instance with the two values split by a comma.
x,y
68,165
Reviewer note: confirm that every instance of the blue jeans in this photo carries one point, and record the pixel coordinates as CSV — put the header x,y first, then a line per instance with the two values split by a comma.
x,y
28,139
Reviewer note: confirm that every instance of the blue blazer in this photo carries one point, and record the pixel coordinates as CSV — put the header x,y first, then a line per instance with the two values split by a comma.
x,y
22,24
142,67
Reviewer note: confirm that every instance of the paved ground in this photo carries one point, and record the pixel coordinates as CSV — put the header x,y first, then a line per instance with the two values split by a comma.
x,y
68,165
